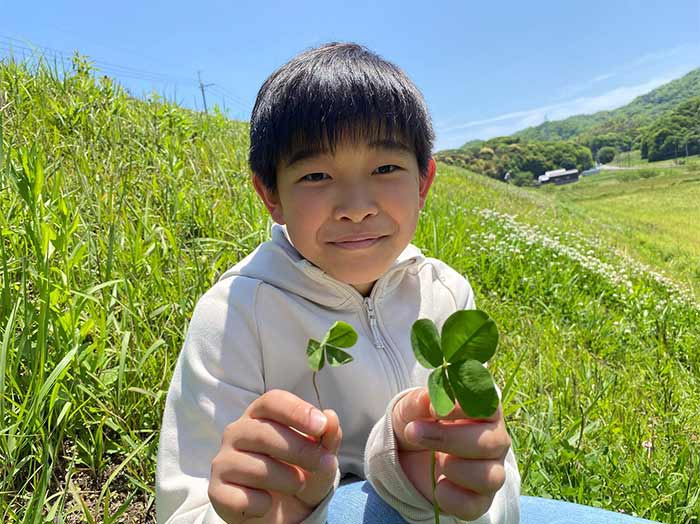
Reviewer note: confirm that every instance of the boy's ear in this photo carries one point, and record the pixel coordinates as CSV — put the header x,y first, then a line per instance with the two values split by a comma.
x,y
425,182
270,199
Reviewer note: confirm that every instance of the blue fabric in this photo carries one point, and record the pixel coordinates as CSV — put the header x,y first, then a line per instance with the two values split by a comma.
x,y
358,503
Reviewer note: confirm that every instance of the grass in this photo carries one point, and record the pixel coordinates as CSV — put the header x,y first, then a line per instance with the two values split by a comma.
x,y
651,215
118,214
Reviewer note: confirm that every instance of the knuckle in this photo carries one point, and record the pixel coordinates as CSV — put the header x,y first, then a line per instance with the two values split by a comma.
x,y
400,409
250,435
496,478
273,399
477,506
216,464
340,435
306,454
220,499
451,467
483,505
230,432
508,442
266,400
493,443
300,412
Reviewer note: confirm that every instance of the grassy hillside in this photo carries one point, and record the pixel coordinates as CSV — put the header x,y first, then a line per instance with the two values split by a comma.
x,y
651,214
118,214
641,111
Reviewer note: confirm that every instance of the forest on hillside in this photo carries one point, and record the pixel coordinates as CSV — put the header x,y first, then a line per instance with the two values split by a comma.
x,y
662,124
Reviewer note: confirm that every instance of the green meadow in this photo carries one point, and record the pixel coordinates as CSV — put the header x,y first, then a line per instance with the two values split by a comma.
x,y
117,214
650,214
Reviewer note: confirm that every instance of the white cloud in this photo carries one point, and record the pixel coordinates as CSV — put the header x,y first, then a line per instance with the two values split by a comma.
x,y
650,58
456,135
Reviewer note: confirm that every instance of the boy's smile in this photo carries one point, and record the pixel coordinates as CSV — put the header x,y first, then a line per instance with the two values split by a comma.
x,y
353,212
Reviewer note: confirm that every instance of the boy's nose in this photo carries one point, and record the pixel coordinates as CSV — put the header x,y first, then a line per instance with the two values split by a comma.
x,y
355,205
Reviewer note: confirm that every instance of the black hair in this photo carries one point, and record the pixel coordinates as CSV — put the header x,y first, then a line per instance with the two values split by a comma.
x,y
334,92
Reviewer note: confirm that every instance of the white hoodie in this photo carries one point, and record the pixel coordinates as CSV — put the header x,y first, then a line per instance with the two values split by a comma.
x,y
248,335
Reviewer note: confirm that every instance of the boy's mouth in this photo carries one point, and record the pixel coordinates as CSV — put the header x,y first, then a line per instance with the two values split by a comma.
x,y
359,242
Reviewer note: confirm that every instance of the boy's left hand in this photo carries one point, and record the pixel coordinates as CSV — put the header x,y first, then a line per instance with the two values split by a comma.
x,y
469,459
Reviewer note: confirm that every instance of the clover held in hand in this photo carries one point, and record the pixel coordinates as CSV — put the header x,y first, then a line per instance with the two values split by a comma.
x,y
340,335
468,339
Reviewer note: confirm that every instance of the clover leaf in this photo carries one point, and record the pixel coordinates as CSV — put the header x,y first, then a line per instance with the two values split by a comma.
x,y
340,335
468,339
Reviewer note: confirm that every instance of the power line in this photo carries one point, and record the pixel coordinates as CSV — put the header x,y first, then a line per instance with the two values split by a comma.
x,y
10,45
103,66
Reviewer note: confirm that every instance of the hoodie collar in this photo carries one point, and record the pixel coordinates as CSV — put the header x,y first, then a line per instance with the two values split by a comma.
x,y
278,263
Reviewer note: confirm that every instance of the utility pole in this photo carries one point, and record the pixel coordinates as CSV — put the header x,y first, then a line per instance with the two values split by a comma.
x,y
201,87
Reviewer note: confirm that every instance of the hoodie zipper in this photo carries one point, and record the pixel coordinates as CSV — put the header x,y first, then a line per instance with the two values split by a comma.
x,y
368,305
379,341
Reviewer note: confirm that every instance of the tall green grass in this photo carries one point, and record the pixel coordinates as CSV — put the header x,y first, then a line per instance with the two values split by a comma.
x,y
117,214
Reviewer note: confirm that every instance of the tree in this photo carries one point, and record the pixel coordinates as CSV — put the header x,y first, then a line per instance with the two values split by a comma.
x,y
606,154
523,178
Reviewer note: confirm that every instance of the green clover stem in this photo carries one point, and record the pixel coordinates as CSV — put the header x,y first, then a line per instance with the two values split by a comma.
x,y
318,395
436,507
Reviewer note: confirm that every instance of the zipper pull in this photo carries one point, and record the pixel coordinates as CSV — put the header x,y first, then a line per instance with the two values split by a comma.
x,y
373,323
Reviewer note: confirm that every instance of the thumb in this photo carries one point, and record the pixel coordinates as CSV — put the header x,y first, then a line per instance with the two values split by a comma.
x,y
333,435
318,483
415,405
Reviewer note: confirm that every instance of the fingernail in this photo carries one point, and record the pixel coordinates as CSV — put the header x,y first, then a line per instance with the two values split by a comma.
x,y
318,421
414,432
421,432
329,462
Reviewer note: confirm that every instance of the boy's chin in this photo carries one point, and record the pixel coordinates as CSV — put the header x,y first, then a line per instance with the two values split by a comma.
x,y
363,282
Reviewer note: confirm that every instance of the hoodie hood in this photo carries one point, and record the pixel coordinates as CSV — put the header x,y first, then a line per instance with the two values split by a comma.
x,y
278,263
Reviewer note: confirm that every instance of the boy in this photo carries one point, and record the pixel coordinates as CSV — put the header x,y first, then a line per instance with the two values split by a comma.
x,y
340,155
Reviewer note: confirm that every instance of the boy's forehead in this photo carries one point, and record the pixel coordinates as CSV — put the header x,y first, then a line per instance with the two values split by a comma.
x,y
306,151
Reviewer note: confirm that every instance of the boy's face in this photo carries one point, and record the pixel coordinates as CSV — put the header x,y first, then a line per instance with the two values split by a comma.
x,y
353,212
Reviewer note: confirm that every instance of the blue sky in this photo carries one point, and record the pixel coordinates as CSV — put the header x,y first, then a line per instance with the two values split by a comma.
x,y
485,70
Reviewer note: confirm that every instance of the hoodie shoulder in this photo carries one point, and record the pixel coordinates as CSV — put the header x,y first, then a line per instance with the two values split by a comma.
x,y
456,284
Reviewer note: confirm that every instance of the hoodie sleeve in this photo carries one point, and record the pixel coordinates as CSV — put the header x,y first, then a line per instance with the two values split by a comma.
x,y
384,472
219,372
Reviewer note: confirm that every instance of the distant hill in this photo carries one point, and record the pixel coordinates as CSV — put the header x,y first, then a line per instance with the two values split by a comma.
x,y
662,124
628,119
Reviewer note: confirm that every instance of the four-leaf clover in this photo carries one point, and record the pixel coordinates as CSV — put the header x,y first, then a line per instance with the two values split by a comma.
x,y
469,338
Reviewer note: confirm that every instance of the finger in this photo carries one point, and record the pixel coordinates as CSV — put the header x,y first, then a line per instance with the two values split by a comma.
x,y
236,504
317,484
257,471
458,413
289,410
333,436
465,439
484,477
275,440
459,502
415,405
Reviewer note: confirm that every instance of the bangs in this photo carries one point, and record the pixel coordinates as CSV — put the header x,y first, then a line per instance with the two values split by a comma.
x,y
324,139
337,93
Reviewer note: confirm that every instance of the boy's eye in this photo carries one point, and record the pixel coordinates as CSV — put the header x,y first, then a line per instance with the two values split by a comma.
x,y
313,177
389,168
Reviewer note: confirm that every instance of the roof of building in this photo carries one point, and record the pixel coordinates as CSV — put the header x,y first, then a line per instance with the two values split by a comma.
x,y
560,172
549,175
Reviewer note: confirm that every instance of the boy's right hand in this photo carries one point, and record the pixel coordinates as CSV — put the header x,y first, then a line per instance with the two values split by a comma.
x,y
276,462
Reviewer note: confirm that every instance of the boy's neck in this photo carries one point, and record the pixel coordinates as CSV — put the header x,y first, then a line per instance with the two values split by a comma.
x,y
364,289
